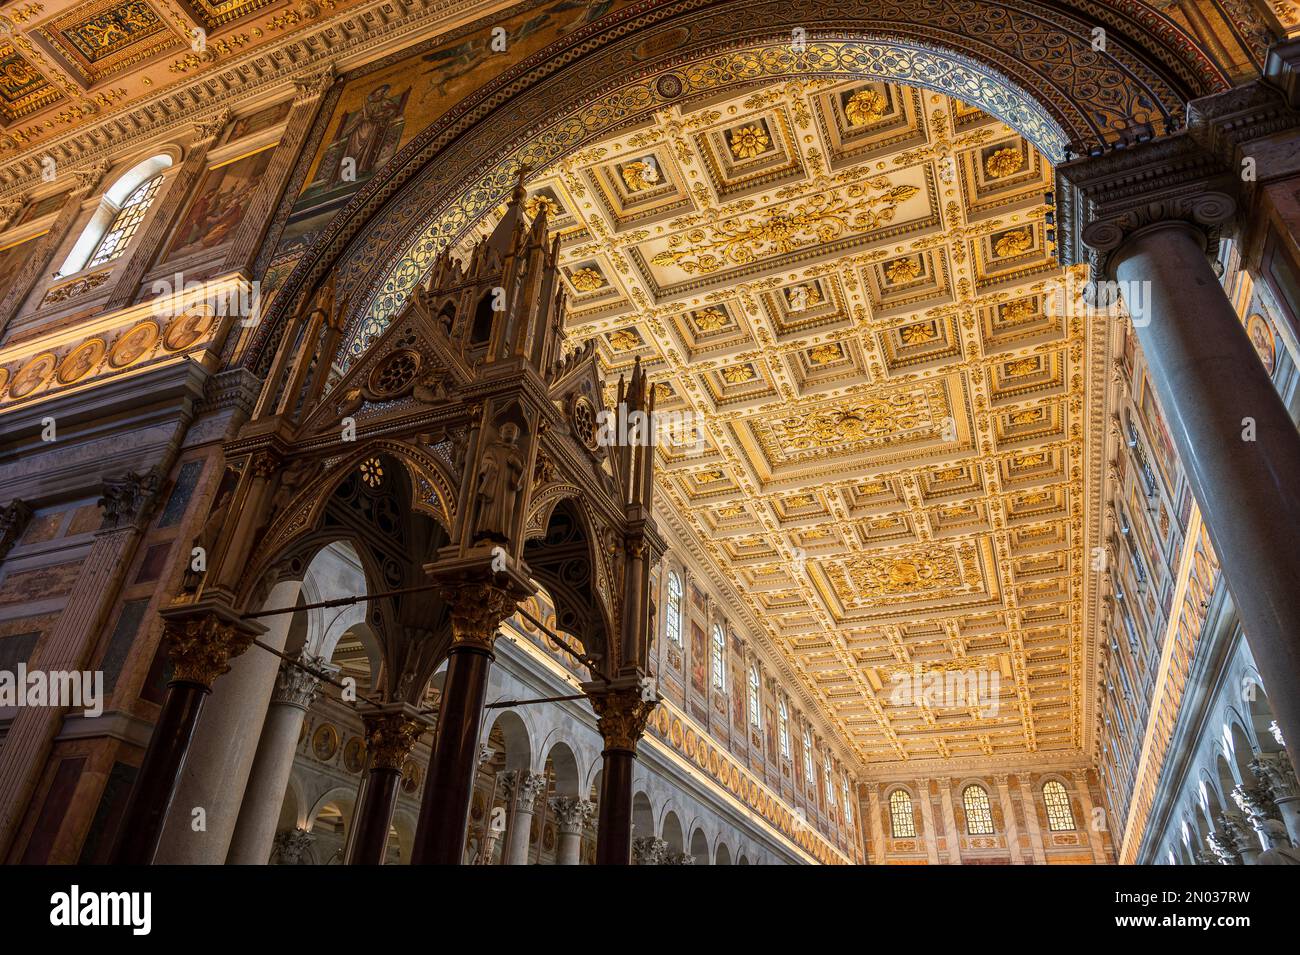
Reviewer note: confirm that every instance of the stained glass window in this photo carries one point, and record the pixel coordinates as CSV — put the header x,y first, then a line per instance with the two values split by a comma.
x,y
828,779
126,222
901,821
1060,817
848,803
807,756
719,659
674,608
754,717
979,817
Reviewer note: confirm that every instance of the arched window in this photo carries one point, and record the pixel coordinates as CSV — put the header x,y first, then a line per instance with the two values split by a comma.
x,y
115,223
828,780
848,803
783,728
719,659
902,823
754,717
807,757
1060,817
979,817
674,608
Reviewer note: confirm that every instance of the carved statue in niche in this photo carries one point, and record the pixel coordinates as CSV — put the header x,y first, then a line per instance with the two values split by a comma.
x,y
207,539
500,479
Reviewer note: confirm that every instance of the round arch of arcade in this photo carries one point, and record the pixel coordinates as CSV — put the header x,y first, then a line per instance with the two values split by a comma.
x,y
1038,66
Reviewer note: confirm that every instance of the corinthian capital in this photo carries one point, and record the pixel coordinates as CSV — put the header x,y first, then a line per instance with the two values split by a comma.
x,y
477,611
129,498
390,737
571,813
202,640
1276,776
621,713
299,685
526,786
14,518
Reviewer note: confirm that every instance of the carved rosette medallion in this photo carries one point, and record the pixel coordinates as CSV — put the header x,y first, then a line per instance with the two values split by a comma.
x,y
396,374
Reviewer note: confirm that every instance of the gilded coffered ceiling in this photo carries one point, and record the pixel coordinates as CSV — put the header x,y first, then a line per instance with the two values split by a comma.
x,y
853,284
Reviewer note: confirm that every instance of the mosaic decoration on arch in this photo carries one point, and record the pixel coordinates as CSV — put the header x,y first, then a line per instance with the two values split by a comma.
x,y
380,112
1101,93
901,64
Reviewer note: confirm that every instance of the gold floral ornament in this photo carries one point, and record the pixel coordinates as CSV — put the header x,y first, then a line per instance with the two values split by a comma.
x,y
711,320
837,427
663,390
903,270
709,477
1004,162
624,339
1022,366
1020,310
1031,460
538,204
1028,416
1013,243
918,333
586,279
748,141
731,510
865,106
641,174
819,219
372,472
739,374
825,354
799,500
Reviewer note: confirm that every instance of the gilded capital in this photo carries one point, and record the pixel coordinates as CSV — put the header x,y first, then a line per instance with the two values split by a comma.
x,y
202,646
476,612
390,737
622,716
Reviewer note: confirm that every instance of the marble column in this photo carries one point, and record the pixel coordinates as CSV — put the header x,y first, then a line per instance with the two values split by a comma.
x,y
621,716
220,756
1232,836
295,690
127,504
476,612
931,831
524,788
1278,778
1096,835
1156,212
875,827
950,822
571,817
1031,820
391,734
1009,819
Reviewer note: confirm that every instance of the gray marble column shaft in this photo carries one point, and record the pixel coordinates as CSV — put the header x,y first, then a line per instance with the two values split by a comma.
x,y
295,690
221,754
1213,388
